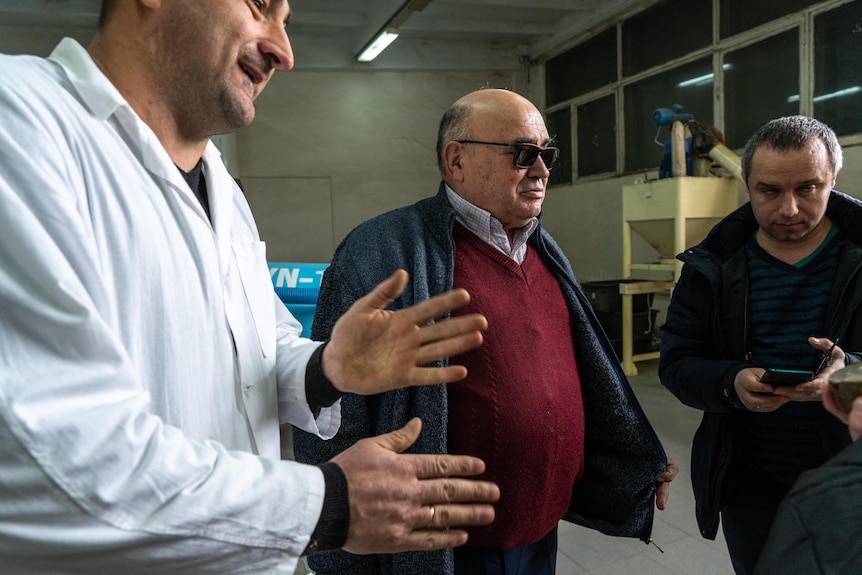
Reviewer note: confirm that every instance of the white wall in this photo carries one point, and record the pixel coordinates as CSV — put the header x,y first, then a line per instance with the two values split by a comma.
x,y
328,150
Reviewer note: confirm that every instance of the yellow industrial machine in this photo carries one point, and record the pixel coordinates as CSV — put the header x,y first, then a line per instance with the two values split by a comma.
x,y
673,213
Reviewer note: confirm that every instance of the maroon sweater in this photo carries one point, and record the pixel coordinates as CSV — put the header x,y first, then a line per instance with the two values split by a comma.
x,y
520,408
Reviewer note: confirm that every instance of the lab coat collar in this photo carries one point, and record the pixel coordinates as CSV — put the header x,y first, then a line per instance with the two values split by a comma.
x,y
102,98
98,94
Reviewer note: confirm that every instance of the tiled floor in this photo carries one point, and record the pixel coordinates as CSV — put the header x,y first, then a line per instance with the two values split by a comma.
x,y
586,552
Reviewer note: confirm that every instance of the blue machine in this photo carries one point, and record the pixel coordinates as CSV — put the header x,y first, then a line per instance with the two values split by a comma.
x,y
297,285
666,117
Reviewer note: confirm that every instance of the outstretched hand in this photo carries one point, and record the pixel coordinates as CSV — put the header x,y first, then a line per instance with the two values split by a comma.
x,y
373,350
405,502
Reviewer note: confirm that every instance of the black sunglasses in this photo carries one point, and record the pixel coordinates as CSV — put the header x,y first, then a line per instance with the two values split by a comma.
x,y
524,155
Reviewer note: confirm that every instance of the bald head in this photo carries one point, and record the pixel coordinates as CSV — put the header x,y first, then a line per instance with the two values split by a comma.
x,y
476,111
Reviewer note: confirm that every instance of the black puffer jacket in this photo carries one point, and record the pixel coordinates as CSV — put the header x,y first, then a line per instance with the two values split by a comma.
x,y
703,342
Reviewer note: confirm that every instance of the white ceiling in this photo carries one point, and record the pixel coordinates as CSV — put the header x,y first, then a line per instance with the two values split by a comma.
x,y
326,34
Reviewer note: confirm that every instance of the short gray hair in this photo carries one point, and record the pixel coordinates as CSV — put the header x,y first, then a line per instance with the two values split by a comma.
x,y
792,133
453,127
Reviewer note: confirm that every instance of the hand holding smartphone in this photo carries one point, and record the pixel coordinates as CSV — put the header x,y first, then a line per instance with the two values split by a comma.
x,y
775,376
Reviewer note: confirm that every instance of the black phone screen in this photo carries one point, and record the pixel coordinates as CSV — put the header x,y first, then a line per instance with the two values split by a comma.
x,y
774,376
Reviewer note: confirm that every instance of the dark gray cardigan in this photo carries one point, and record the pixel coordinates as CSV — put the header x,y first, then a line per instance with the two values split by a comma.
x,y
623,455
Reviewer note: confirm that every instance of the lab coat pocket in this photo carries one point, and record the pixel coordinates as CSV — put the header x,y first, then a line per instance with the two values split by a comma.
x,y
251,263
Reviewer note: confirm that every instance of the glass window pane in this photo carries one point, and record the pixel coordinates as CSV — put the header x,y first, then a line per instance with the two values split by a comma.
x,y
837,66
560,130
761,82
597,137
689,85
582,69
664,32
741,15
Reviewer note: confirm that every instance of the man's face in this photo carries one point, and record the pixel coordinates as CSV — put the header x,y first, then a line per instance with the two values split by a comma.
x,y
220,56
789,190
512,195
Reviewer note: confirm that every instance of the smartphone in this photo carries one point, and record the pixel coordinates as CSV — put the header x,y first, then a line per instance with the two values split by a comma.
x,y
774,376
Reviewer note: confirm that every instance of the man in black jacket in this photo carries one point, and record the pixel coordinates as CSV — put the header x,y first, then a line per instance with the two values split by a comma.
x,y
774,285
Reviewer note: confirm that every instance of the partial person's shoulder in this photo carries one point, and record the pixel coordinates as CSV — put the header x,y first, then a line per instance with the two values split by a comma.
x,y
36,94
26,75
396,221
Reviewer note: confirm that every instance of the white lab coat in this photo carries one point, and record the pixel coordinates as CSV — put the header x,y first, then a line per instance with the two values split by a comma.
x,y
145,361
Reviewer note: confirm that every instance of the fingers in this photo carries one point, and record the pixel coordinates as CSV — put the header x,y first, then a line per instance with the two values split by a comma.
x,y
419,540
756,396
458,515
662,494
384,293
402,502
400,439
663,480
451,327
836,359
430,466
821,343
670,472
451,347
433,375
437,306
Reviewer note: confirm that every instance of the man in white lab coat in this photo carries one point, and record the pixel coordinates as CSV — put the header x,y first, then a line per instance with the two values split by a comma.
x,y
145,362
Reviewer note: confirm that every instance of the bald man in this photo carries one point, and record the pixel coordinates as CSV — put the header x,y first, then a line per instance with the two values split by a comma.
x,y
545,403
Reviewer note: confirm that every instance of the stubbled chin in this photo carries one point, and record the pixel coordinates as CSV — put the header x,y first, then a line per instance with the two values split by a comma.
x,y
788,234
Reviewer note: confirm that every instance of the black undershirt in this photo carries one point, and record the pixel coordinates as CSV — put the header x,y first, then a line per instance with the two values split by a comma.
x,y
198,183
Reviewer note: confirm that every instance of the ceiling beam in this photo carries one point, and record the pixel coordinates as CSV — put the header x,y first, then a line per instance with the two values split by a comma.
x,y
572,29
333,19
477,26
562,5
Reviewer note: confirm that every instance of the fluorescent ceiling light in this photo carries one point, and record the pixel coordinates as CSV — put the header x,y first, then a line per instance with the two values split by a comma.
x,y
701,80
829,96
378,44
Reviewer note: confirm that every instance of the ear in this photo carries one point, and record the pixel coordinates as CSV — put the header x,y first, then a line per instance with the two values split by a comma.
x,y
453,161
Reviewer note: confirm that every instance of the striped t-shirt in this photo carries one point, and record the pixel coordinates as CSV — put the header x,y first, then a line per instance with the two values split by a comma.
x,y
787,304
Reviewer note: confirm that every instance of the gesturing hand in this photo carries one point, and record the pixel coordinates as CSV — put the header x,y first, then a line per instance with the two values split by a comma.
x,y
373,350
401,502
